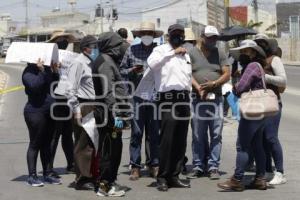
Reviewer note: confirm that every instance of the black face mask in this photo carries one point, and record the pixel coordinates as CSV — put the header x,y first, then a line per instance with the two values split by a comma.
x,y
176,40
62,44
244,60
210,45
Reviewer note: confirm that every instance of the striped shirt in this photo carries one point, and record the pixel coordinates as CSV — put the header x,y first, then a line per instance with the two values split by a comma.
x,y
251,79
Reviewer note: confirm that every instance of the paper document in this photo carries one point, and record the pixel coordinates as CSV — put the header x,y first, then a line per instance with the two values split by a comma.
x,y
30,52
145,89
89,125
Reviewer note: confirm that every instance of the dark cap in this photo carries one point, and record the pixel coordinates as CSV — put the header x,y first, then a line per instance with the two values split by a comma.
x,y
87,40
175,27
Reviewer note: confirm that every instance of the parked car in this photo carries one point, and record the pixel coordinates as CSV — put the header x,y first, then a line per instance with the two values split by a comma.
x,y
3,51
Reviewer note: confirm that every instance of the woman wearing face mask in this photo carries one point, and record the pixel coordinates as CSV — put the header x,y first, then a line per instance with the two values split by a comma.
x,y
250,131
276,80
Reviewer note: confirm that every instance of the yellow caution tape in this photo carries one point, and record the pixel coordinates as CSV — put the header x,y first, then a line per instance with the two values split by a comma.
x,y
11,89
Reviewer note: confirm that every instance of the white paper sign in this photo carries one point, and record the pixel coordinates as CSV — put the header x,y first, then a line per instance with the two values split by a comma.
x,y
145,89
89,125
30,52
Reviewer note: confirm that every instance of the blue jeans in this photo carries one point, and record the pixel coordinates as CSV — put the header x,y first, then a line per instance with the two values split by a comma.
x,y
207,116
144,119
272,144
250,136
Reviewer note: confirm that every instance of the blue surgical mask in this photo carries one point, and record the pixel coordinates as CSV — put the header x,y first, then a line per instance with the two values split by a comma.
x,y
94,54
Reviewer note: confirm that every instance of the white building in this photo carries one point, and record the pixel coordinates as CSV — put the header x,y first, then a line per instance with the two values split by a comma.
x,y
186,12
7,26
263,16
64,18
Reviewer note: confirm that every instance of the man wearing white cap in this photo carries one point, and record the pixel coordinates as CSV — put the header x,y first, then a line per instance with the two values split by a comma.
x,y
210,72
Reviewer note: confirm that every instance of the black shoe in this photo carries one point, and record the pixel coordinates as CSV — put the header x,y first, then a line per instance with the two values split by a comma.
x,y
163,187
54,174
177,183
84,186
195,174
70,170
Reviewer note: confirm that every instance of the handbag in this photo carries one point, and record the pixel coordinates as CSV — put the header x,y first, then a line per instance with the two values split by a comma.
x,y
257,104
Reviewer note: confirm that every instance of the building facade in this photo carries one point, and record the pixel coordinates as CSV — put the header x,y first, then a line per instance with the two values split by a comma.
x,y
242,15
7,26
190,13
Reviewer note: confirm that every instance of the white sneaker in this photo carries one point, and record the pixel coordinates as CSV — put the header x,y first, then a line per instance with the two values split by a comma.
x,y
269,176
101,193
278,179
113,192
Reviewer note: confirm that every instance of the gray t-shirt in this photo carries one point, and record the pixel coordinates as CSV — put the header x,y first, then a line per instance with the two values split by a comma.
x,y
210,68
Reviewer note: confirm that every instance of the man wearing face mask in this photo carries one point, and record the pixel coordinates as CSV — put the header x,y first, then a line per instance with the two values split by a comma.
x,y
132,68
172,72
190,39
210,72
81,91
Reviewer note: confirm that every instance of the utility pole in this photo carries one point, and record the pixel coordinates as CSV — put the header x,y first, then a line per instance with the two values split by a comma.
x,y
216,13
102,15
112,15
255,7
227,5
27,19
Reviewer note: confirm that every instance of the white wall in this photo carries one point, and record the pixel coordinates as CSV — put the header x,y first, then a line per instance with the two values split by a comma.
x,y
195,9
263,16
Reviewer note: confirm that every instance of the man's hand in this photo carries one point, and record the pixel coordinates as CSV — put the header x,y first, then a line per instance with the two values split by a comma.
x,y
137,69
118,123
180,51
55,67
208,86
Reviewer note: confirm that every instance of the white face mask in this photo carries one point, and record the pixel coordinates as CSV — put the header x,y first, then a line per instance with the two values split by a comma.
x,y
147,40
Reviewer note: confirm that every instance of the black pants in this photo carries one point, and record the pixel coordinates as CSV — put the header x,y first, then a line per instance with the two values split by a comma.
x,y
173,134
110,154
41,128
110,148
63,128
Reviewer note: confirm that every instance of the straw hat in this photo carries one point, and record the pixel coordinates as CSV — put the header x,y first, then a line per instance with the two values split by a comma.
x,y
189,34
147,26
60,33
235,52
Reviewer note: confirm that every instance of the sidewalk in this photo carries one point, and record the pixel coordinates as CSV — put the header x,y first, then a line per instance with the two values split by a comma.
x,y
291,63
3,81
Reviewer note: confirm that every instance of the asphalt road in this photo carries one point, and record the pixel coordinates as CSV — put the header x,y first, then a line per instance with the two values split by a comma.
x,y
14,142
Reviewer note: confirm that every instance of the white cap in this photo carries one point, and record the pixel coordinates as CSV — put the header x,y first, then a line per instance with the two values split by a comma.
x,y
211,31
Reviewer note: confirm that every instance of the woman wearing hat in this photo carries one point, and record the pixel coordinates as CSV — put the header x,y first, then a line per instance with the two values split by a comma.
x,y
276,80
250,132
62,127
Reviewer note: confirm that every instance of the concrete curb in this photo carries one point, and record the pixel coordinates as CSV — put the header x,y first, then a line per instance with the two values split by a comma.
x,y
292,63
3,81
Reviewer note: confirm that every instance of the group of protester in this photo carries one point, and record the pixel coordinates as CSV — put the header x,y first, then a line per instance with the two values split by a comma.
x,y
156,89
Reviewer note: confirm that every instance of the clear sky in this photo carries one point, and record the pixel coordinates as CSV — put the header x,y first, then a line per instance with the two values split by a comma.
x,y
37,7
